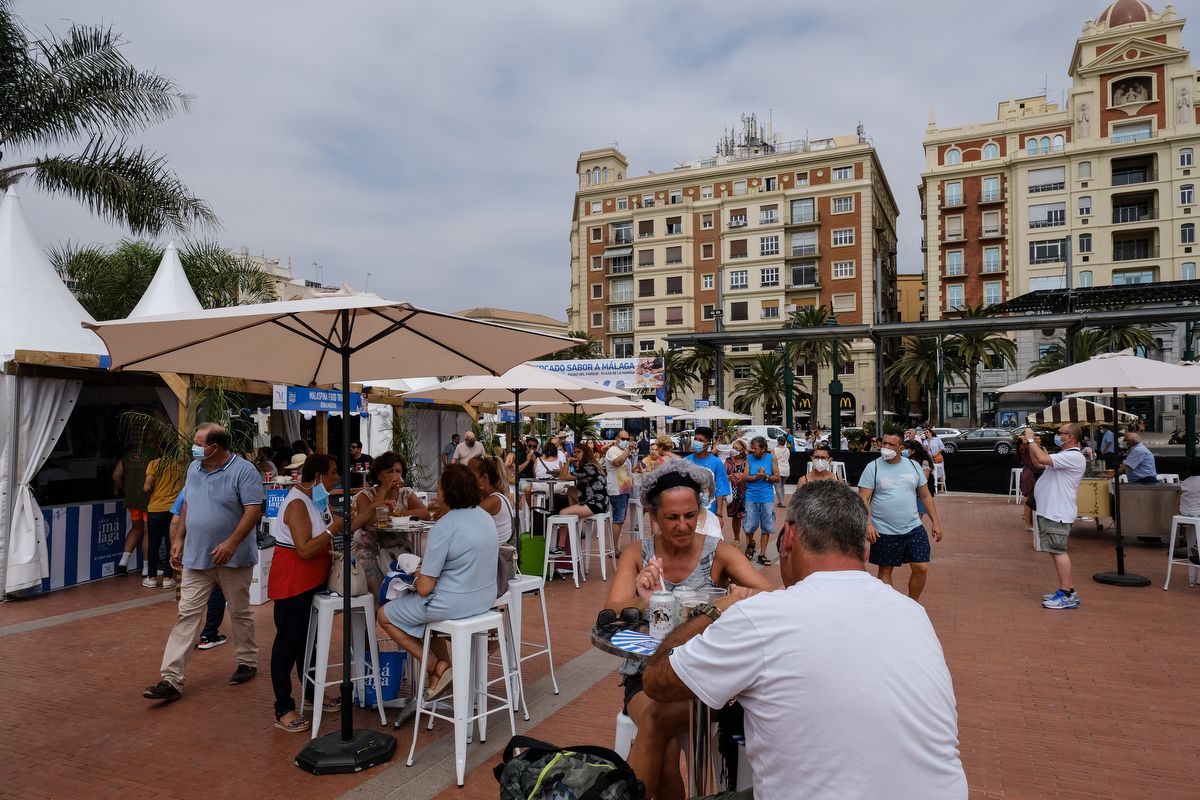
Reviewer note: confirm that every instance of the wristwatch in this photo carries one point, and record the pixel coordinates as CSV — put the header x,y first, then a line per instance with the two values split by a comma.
x,y
708,610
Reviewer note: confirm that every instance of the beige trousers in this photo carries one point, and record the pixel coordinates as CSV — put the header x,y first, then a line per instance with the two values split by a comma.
x,y
195,589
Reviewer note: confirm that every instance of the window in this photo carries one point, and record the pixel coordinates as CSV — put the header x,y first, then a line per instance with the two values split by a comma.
x,y
1187,271
953,156
843,269
991,223
674,225
623,347
954,262
991,150
675,196
1084,170
770,183
991,190
1056,282
1085,243
1126,277
843,237
843,205
738,248
621,320
1044,144
739,348
770,309
741,372
597,291
675,285
954,297
1085,206
1048,179
708,282
803,211
768,276
621,291
598,320
1047,215
706,311
622,203
768,246
1187,194
845,302
843,174
707,251
802,179
804,243
739,278
706,221
1044,350
597,263
597,234
1085,279
645,258
991,259
621,232
952,192
645,317
739,312
1031,146
706,192
646,287
804,275
991,293
646,346
739,187
1131,132
1050,252
768,215
1187,233
1185,157
1059,143
675,255
620,265
648,200
737,217
954,228
596,206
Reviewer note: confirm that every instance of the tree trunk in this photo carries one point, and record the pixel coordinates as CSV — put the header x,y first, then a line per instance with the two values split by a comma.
x,y
815,420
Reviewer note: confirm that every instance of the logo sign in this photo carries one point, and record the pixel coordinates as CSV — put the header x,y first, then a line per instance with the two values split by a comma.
x,y
509,415
303,398
275,499
632,374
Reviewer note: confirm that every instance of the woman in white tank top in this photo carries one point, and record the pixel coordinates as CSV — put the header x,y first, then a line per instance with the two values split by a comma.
x,y
495,502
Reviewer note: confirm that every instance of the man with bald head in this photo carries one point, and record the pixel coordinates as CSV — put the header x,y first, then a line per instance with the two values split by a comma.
x,y
212,544
1054,497
1139,463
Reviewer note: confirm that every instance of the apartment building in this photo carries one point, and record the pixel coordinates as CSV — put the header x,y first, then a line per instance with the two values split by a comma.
x,y
740,240
1098,192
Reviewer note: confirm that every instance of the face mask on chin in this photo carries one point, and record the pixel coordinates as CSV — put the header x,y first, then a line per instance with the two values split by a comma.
x,y
320,496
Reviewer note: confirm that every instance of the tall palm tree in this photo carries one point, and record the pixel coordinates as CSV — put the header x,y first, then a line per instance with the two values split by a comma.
x,y
676,376
989,349
700,363
763,386
1089,342
918,363
583,425
814,353
588,347
80,89
109,281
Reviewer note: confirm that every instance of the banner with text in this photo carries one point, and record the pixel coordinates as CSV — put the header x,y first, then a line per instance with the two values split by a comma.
x,y
629,374
303,398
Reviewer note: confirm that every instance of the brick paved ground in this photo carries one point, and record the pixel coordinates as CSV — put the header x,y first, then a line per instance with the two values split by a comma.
x,y
1097,702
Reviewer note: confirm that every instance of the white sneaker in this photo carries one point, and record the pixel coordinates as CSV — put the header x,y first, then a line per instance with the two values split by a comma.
x,y
149,582
168,583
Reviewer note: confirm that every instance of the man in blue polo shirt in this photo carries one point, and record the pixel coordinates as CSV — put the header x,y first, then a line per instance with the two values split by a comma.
x,y
701,454
761,474
1139,461
213,547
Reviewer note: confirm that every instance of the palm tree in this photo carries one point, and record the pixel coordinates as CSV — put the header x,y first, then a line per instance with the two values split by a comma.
x,y
700,363
814,353
109,281
990,349
583,425
918,363
676,376
81,89
1089,342
763,386
588,347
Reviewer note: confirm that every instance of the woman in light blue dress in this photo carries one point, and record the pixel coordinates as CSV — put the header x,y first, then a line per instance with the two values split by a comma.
x,y
457,577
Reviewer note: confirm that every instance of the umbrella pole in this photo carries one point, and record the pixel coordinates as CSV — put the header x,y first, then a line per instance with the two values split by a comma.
x,y
1120,577
348,750
516,428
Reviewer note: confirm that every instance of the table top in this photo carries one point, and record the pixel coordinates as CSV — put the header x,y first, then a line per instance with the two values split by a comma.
x,y
628,643
416,526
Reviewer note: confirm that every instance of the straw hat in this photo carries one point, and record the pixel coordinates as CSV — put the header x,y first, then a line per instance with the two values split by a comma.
x,y
297,461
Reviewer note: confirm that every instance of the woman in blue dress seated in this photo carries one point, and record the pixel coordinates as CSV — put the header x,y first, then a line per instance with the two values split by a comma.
x,y
456,579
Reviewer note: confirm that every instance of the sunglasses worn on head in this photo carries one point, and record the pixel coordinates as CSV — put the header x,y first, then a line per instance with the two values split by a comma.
x,y
609,622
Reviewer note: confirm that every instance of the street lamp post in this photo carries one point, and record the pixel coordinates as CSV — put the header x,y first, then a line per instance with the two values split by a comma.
x,y
1189,400
719,361
835,392
789,383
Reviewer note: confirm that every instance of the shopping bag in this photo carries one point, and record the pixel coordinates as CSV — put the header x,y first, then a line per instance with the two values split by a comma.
x,y
391,675
532,554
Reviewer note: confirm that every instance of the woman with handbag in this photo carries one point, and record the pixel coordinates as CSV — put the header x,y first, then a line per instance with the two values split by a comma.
x,y
457,577
386,485
300,568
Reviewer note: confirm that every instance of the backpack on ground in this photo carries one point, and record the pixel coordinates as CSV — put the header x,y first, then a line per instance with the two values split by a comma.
x,y
542,771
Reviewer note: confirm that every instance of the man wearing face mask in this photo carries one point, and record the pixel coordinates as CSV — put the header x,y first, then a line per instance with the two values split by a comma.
x,y
701,454
213,546
890,486
1139,461
467,449
618,475
1056,504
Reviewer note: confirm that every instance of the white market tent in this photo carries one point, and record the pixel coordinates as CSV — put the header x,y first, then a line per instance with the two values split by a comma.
x,y
169,292
37,313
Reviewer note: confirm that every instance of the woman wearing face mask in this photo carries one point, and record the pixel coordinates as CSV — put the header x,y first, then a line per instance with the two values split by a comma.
x,y
303,539
822,467
385,486
735,468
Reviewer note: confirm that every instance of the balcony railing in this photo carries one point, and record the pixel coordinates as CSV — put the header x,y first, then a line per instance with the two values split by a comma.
x,y
1133,214
805,219
621,297
620,269
991,231
1134,251
1049,222
772,313
1048,259
645,234
621,325
1132,136
953,236
1125,177
674,229
621,238
804,250
768,219
1053,186
953,201
991,197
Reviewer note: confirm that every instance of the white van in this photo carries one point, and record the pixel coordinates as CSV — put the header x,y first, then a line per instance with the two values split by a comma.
x,y
771,432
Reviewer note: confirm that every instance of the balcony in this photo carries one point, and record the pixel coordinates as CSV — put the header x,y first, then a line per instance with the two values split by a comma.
x,y
1125,214
804,220
620,269
1127,177
623,325
1053,186
1134,250
805,251
737,222
620,298
953,236
1140,135
621,238
987,197
673,230
953,201
1049,222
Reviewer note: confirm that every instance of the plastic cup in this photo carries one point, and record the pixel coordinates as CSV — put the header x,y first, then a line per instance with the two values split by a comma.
x,y
688,599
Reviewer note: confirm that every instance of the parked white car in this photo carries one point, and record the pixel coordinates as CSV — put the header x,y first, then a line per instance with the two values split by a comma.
x,y
771,432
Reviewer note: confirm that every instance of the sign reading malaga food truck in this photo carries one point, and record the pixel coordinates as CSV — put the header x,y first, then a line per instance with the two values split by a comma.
x,y
303,398
631,374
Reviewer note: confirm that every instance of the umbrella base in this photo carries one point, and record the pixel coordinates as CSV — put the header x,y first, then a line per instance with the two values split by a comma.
x,y
1120,579
329,755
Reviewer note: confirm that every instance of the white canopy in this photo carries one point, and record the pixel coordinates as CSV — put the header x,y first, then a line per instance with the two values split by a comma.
x,y
1076,409
533,384
1110,373
713,412
169,292
37,311
647,408
600,405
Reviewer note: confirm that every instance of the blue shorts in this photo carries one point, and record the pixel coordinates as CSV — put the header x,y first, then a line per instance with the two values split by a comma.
x,y
759,515
618,504
907,548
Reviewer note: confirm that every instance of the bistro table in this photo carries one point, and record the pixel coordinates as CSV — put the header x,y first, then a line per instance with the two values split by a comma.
x,y
700,773
416,529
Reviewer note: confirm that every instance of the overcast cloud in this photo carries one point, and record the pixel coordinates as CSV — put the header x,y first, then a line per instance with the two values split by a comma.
x,y
434,145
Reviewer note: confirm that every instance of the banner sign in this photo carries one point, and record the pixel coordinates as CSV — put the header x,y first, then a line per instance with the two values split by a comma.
x,y
84,542
303,398
275,498
508,415
630,374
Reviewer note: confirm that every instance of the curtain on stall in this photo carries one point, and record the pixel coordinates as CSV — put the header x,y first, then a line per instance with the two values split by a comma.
x,y
376,428
291,425
38,409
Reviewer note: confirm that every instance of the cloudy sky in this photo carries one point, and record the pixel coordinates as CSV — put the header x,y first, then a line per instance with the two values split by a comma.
x,y
433,146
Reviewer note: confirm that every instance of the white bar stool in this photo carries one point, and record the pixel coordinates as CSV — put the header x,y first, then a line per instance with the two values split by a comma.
x,y
1168,477
468,637
512,615
626,732
633,518
1192,524
1014,484
571,522
599,526
520,586
320,627
939,478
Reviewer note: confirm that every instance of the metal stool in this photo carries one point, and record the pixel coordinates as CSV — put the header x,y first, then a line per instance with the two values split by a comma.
x,y
1014,484
599,526
1193,527
575,554
320,628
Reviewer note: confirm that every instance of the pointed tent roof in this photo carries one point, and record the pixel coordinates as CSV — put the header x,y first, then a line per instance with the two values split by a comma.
x,y
37,311
169,292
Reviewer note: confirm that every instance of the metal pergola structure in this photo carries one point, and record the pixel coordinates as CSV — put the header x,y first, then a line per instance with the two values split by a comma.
x,y
878,333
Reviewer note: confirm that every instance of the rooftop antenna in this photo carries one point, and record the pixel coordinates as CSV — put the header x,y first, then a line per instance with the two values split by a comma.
x,y
1045,84
367,282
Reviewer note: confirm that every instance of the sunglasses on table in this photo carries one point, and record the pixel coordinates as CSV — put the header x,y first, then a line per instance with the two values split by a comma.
x,y
610,622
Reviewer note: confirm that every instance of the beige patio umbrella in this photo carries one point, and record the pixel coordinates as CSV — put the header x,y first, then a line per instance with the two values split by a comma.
x,y
713,412
334,340
1076,409
599,405
648,408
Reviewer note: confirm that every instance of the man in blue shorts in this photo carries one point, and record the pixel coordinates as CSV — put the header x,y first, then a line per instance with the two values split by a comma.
x,y
890,486
761,475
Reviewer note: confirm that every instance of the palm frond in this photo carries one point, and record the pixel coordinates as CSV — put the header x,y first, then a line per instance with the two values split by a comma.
x,y
132,187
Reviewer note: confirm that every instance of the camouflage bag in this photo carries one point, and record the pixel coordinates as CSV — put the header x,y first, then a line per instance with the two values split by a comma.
x,y
542,771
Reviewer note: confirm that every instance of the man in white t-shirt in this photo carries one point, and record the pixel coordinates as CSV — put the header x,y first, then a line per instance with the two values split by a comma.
x,y
1054,497
467,449
618,477
843,682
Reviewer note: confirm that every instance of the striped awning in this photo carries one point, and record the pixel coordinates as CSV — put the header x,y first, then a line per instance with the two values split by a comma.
x,y
1076,409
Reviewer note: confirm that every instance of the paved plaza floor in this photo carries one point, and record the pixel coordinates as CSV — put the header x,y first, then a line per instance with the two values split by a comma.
x,y
1098,702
